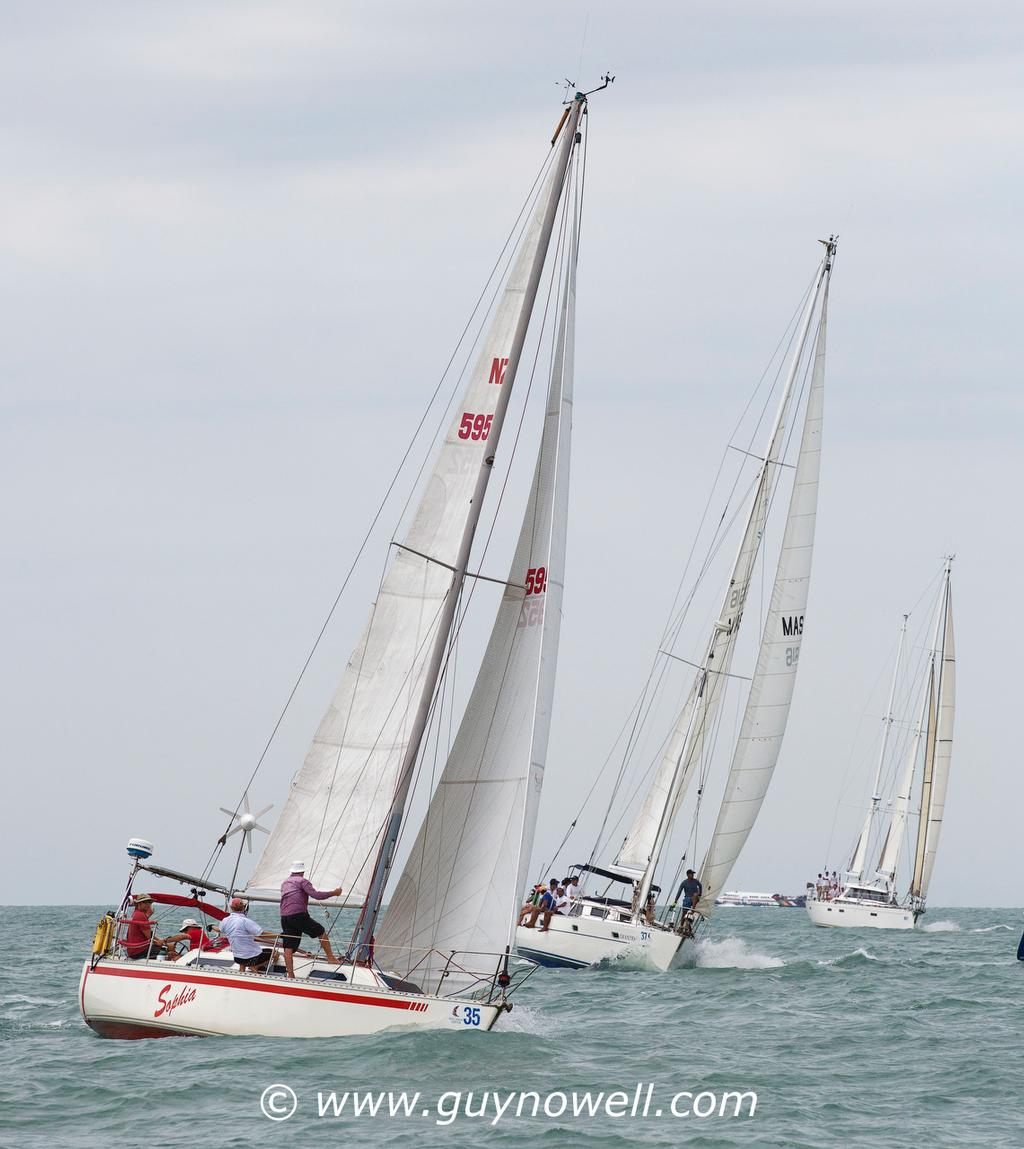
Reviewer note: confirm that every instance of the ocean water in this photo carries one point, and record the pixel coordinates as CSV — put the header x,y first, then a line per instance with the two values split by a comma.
x,y
848,1038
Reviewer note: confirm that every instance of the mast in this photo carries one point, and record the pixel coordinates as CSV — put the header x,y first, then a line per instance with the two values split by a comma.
x,y
937,689
707,682
385,856
860,853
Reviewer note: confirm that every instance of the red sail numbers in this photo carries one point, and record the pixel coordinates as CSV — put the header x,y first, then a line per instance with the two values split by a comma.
x,y
169,1005
475,427
536,580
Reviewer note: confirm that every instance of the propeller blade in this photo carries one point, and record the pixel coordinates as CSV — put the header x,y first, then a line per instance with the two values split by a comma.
x,y
248,842
260,813
262,829
233,830
230,813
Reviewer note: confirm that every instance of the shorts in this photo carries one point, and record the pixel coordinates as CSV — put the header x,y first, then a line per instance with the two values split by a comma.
x,y
293,926
254,962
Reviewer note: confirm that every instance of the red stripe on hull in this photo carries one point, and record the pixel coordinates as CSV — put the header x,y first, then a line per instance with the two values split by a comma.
x,y
166,975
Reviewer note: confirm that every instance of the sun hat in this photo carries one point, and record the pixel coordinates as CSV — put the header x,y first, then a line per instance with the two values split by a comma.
x,y
298,867
186,922
142,898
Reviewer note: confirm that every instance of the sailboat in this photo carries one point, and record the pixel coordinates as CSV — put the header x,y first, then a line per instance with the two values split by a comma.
x,y
871,899
616,914
432,941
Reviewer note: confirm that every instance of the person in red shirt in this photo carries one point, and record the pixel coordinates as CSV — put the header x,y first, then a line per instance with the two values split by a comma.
x,y
195,937
140,941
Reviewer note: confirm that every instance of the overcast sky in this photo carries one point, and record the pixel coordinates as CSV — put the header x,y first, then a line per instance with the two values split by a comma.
x,y
237,244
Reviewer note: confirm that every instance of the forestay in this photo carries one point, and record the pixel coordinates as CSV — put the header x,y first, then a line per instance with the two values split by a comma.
x,y
343,793
460,886
771,691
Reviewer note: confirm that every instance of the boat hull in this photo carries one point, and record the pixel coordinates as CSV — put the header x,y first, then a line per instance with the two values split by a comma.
x,y
577,943
860,915
160,999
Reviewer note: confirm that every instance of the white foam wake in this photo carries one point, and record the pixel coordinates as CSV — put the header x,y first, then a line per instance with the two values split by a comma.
x,y
732,953
989,929
944,927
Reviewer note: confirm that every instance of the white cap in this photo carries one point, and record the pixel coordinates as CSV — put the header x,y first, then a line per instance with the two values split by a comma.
x,y
188,922
298,867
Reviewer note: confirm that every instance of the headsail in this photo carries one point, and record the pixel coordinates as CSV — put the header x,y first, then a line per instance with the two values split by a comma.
x,y
461,884
771,691
344,793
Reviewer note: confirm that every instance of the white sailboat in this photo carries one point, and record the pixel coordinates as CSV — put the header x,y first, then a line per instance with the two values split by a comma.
x,y
620,918
438,955
872,900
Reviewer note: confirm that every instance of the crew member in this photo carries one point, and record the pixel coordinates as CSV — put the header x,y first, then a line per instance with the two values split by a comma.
x,y
296,890
140,942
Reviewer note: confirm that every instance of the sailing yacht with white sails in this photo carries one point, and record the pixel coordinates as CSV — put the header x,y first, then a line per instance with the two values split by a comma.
x,y
617,915
431,944
869,898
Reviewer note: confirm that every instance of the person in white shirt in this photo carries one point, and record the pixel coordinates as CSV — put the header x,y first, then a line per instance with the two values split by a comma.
x,y
572,887
560,906
244,935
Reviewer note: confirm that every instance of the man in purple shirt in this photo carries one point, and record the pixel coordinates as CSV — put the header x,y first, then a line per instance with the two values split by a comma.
x,y
296,891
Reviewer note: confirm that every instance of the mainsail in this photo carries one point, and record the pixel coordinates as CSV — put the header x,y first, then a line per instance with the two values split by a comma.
x,y
344,793
460,886
771,691
650,830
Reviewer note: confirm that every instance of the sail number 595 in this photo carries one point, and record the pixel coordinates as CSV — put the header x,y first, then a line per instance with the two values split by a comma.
x,y
475,427
536,580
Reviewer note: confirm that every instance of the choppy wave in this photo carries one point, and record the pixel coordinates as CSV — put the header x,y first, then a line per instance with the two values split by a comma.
x,y
944,927
858,956
732,953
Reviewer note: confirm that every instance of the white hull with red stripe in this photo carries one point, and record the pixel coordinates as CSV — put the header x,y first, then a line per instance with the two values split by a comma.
x,y
135,999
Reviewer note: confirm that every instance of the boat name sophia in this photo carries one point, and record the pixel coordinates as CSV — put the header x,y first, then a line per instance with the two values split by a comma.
x,y
182,998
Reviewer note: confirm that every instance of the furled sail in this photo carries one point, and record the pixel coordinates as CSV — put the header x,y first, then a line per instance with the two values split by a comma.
x,y
460,887
771,691
890,856
943,749
855,873
343,793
